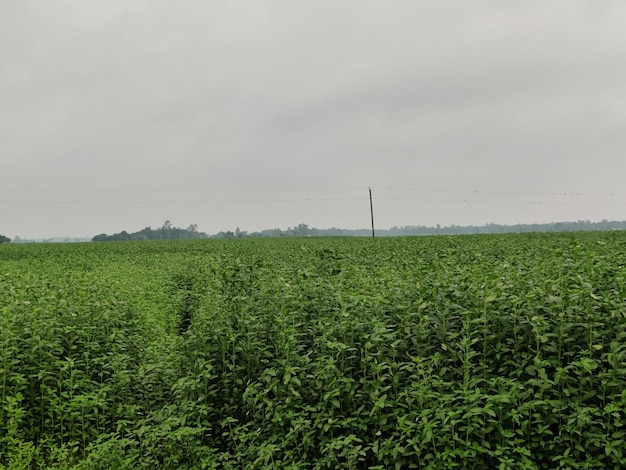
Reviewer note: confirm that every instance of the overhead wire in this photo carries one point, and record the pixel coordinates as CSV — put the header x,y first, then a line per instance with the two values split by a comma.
x,y
384,197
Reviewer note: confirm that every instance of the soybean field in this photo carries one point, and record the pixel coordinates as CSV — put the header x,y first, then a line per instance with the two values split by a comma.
x,y
469,352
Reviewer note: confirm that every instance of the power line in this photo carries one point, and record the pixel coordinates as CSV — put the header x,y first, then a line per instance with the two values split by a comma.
x,y
251,201
476,191
175,191
467,201
572,198
303,189
220,201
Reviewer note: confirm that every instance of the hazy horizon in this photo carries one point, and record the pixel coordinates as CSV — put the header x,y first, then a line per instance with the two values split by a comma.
x,y
378,230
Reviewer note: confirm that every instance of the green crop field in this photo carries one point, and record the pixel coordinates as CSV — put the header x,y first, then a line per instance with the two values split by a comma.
x,y
481,352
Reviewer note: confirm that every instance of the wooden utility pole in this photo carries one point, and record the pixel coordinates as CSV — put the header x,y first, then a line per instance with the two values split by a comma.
x,y
372,212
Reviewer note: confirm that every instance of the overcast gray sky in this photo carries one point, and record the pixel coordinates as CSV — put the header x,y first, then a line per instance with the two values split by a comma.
x,y
119,114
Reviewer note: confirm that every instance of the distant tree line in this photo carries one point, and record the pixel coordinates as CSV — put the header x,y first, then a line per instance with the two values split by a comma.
x,y
166,232
4,239
300,230
303,230
579,226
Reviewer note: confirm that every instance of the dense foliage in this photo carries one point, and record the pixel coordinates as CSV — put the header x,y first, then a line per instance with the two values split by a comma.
x,y
166,232
492,351
4,239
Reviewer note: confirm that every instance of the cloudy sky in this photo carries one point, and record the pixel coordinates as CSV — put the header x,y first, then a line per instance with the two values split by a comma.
x,y
121,114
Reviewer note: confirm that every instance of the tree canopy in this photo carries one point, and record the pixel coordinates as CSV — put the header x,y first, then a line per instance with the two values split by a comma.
x,y
166,232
